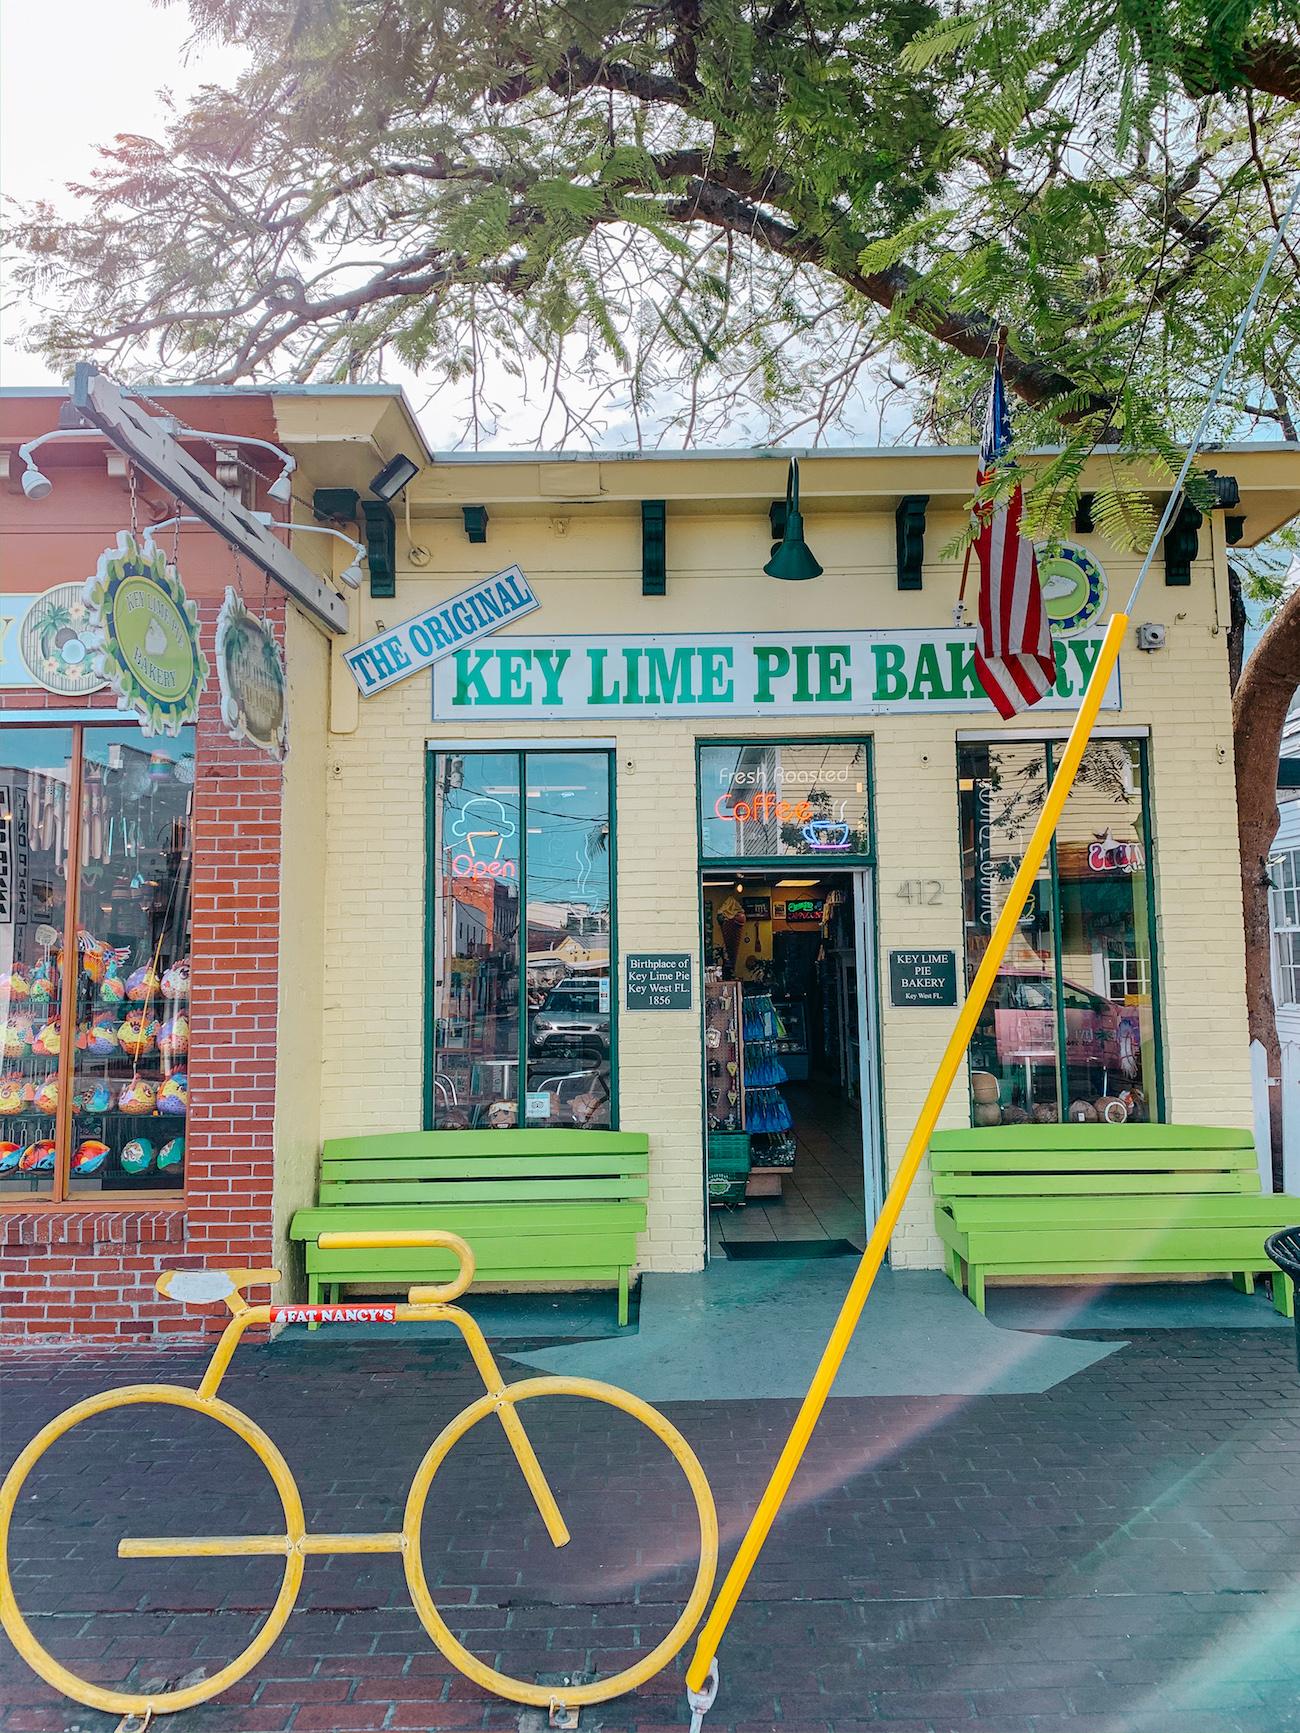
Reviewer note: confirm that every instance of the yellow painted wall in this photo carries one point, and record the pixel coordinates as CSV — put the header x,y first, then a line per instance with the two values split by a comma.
x,y
302,921
585,564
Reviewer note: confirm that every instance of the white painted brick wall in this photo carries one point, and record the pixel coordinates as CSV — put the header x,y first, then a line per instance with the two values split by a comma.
x,y
375,831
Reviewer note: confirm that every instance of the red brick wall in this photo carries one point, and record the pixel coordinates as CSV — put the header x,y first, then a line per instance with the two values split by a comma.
x,y
89,1273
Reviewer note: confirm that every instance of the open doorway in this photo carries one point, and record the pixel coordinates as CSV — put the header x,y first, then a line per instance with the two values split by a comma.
x,y
788,1072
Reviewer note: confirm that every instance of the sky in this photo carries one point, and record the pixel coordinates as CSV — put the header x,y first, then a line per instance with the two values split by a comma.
x,y
52,118
56,105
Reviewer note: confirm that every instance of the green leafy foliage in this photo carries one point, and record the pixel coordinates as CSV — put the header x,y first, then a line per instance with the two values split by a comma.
x,y
712,220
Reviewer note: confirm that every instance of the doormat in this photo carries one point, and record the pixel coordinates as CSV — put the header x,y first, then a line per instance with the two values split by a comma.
x,y
791,1249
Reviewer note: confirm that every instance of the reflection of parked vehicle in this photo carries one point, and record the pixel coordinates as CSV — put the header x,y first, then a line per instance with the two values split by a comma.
x,y
1024,1023
571,1020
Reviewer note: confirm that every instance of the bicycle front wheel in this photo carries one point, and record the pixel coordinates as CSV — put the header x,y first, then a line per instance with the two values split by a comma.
x,y
526,1690
213,1408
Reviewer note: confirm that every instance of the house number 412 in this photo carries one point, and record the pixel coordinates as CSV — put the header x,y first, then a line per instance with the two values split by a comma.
x,y
921,890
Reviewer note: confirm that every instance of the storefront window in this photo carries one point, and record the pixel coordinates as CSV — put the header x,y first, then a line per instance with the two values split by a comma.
x,y
35,807
94,1085
130,1074
784,799
523,1009
1069,1030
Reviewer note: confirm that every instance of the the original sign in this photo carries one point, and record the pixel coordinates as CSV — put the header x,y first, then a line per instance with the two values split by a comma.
x,y
660,981
442,630
735,674
250,673
923,977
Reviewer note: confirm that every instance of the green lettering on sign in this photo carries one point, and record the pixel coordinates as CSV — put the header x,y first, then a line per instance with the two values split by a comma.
x,y
891,681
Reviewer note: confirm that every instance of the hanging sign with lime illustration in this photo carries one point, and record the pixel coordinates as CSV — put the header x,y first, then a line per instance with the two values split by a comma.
x,y
1074,587
144,635
250,672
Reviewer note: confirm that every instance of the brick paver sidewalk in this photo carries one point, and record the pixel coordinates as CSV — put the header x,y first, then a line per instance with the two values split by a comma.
x,y
1115,1556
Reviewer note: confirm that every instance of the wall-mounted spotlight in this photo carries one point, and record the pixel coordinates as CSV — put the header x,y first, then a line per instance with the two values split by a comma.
x,y
35,485
39,486
393,477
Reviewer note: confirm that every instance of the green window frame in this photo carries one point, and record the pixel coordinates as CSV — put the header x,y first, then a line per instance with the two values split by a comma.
x,y
522,757
811,858
1051,880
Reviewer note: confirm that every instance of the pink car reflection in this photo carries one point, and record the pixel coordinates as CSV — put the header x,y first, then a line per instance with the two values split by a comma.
x,y
1097,1030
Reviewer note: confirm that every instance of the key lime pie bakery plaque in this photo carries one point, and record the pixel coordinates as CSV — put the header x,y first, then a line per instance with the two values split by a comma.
x,y
145,635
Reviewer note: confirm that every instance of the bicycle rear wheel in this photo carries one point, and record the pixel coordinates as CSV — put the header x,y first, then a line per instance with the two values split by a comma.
x,y
526,1690
19,1631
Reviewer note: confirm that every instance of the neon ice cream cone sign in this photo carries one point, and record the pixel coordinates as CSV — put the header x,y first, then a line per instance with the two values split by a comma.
x,y
483,836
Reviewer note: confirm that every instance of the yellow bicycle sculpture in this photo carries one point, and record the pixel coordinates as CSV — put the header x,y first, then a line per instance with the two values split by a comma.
x,y
425,1304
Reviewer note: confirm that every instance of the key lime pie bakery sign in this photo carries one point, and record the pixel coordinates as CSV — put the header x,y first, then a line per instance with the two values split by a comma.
x,y
736,674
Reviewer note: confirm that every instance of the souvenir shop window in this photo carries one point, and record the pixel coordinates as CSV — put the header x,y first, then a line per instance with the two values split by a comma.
x,y
522,916
1070,1030
94,1090
778,800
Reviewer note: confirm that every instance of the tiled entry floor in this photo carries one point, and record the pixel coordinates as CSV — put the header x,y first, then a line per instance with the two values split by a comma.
x,y
823,1197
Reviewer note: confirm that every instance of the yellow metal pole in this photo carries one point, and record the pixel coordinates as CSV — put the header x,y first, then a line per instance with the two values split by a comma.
x,y
733,1585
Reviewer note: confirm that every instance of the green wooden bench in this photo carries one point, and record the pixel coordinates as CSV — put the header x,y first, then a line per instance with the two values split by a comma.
x,y
1076,1200
535,1206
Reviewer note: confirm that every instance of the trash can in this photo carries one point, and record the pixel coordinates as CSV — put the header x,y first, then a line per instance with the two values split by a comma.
x,y
1284,1249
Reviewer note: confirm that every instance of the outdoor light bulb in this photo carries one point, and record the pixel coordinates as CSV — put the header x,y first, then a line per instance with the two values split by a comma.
x,y
36,485
282,487
351,575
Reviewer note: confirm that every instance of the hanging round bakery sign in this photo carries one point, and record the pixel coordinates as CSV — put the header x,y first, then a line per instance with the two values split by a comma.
x,y
144,635
1074,587
53,641
250,672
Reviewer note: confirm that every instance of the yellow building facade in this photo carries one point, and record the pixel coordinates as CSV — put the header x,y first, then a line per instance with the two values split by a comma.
x,y
854,917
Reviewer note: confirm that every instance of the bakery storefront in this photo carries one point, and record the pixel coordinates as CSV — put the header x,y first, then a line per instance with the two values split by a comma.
x,y
774,947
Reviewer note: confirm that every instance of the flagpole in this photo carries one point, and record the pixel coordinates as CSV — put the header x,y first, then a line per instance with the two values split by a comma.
x,y
706,1648
913,1155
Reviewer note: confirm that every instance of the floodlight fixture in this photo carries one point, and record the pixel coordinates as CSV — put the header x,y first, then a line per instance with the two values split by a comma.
x,y
393,477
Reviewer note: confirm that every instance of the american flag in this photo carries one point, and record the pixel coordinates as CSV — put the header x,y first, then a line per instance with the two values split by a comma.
x,y
1013,652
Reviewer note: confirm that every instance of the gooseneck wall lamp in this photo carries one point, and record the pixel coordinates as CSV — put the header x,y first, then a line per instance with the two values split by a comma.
x,y
792,558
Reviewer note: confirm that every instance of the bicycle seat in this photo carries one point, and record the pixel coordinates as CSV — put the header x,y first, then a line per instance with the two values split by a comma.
x,y
203,1287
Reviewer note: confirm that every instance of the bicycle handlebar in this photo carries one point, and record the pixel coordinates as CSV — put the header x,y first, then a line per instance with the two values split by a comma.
x,y
410,1239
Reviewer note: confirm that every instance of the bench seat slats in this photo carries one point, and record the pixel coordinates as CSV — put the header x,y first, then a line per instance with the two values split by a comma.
x,y
1122,1160
480,1191
499,1220
1009,1185
1187,1208
1052,1139
1100,1199
462,1145
535,1205
486,1167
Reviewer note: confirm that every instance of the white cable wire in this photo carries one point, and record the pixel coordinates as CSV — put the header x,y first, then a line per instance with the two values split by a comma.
x,y
1212,402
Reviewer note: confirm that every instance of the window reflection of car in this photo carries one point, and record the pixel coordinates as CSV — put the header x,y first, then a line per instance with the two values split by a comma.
x,y
1023,1008
570,1018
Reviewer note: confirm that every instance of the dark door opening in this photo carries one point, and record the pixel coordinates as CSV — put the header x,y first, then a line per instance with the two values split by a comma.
x,y
783,1064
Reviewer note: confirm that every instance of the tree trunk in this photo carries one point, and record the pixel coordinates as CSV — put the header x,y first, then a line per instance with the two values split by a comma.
x,y
1259,709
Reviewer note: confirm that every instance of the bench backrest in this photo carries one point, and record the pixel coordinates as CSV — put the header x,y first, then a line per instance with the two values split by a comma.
x,y
1052,1160
423,1167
